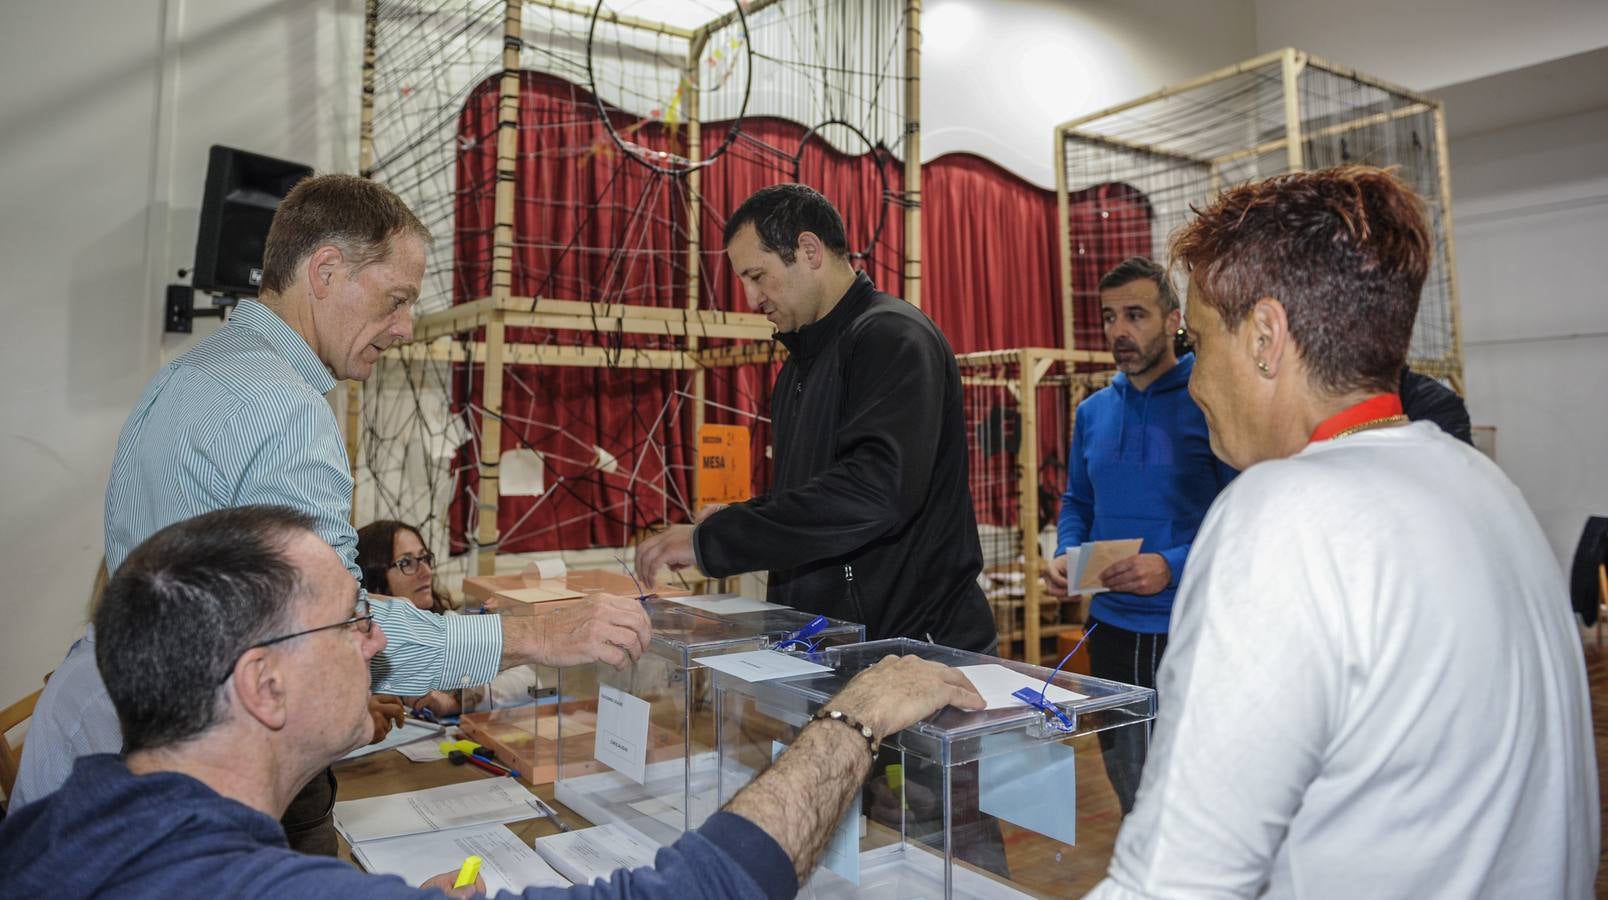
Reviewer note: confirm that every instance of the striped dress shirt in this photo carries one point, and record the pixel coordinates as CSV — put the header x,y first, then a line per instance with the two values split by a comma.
x,y
241,419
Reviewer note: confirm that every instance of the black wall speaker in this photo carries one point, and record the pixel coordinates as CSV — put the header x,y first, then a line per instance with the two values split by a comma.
x,y
243,190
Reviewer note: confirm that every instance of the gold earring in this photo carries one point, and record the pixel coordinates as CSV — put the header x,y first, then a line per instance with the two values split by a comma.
x,y
1261,366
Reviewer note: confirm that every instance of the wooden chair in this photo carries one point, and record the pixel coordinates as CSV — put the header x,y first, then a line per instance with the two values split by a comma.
x,y
11,756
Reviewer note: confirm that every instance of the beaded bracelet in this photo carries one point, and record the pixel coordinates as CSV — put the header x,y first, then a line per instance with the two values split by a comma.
x,y
833,715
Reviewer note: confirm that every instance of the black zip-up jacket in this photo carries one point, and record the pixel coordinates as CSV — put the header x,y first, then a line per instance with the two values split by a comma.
x,y
869,517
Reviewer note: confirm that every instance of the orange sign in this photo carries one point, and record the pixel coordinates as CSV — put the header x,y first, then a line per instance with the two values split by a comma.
x,y
724,470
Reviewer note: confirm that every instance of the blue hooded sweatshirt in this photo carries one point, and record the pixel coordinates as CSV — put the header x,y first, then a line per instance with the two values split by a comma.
x,y
110,833
1140,467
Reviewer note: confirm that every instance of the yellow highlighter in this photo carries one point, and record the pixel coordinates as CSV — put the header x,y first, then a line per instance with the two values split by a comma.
x,y
469,872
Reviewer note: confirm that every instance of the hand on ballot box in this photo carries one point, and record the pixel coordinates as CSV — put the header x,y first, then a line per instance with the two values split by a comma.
x,y
602,628
900,691
386,711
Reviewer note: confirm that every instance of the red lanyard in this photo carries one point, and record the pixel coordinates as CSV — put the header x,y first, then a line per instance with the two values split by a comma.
x,y
1373,409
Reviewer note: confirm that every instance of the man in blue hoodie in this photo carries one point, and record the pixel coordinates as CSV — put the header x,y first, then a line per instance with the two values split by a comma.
x,y
1140,467
235,647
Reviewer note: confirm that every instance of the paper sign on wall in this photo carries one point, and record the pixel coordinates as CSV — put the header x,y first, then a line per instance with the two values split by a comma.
x,y
724,471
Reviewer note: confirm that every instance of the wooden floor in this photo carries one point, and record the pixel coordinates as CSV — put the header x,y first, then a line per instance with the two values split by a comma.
x,y
1060,870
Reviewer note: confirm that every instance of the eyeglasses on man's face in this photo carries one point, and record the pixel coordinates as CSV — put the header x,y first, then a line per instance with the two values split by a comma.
x,y
409,564
362,622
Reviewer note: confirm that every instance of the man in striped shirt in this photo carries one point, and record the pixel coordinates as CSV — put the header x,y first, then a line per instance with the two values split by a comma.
x,y
241,419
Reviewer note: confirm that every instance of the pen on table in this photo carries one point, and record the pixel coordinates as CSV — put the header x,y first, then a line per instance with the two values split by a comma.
x,y
551,814
469,872
458,756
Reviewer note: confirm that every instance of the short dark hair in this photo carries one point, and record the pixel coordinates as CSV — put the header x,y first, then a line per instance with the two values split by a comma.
x,y
1345,250
358,215
781,212
1135,268
376,548
182,608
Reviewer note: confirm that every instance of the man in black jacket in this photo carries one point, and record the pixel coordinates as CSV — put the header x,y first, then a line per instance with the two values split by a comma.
x,y
1422,397
869,517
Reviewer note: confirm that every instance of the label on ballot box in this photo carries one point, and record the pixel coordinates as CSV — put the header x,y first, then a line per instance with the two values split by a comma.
x,y
622,732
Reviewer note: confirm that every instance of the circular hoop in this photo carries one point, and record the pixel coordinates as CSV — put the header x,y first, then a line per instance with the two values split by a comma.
x,y
658,160
882,176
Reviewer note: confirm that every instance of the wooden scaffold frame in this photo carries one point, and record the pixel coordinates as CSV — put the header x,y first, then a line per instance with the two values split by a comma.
x,y
1292,64
436,335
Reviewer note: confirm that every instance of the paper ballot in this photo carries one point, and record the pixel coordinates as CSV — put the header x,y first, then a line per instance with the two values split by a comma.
x,y
996,683
591,853
762,665
507,863
1085,563
491,801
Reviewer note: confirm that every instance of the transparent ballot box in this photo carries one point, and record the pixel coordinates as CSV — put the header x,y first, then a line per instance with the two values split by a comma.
x,y
1010,801
638,746
511,716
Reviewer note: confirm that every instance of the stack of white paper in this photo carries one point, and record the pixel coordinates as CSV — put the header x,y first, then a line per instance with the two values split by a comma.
x,y
591,853
421,834
507,864
490,801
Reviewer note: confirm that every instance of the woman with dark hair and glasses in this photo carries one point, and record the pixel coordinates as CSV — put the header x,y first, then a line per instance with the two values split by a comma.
x,y
396,563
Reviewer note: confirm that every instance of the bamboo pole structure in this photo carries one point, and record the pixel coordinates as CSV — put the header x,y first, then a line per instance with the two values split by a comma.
x,y
365,163
1416,109
1388,87
1063,228
487,535
448,350
690,325
1445,172
1193,83
615,18
1378,103
912,152
580,315
1294,151
1027,502
690,103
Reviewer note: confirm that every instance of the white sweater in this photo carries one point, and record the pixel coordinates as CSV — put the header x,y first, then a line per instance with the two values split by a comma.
x,y
1374,689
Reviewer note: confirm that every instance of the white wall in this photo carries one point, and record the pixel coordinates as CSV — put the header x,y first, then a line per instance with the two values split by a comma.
x,y
1429,43
76,193
107,111
998,75
1530,206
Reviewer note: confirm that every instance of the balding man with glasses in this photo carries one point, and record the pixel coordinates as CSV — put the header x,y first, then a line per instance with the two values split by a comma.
x,y
236,648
